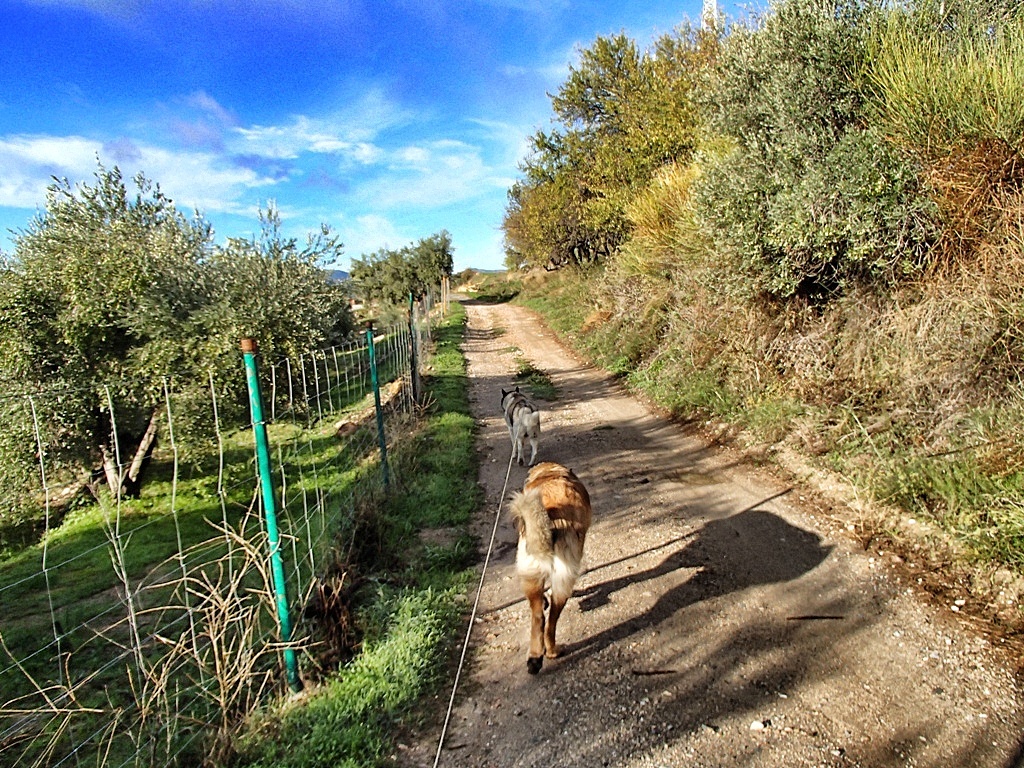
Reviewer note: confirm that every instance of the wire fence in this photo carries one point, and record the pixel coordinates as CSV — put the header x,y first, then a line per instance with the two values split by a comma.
x,y
140,628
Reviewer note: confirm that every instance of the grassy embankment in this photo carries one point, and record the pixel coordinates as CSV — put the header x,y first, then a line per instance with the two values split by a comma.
x,y
419,569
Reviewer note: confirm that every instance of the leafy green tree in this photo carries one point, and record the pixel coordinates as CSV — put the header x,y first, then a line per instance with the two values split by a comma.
x,y
383,276
432,260
624,113
271,289
97,283
390,276
546,225
620,116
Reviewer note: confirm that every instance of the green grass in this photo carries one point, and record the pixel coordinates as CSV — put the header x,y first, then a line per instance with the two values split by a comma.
x,y
83,595
683,390
535,380
349,721
565,301
974,491
410,619
770,417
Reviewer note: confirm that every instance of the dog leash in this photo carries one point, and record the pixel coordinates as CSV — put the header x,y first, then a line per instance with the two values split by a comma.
x,y
476,603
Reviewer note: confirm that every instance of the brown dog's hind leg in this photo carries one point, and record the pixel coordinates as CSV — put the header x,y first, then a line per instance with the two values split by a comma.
x,y
534,591
552,649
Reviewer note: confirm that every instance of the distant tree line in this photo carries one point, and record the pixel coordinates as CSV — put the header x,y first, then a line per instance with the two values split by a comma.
x,y
390,277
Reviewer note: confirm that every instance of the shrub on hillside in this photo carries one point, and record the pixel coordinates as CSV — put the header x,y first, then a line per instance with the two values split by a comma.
x,y
810,199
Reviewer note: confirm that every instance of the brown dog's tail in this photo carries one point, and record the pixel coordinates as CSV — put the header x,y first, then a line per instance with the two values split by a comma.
x,y
532,523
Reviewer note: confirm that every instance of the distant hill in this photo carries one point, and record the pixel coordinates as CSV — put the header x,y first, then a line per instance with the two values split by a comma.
x,y
337,275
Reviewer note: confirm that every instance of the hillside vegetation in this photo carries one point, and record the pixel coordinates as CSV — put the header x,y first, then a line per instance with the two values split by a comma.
x,y
809,224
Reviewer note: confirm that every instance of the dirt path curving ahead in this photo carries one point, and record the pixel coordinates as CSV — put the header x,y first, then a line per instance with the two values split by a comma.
x,y
721,621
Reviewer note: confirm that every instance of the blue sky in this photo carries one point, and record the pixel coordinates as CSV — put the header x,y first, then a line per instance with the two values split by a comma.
x,y
389,121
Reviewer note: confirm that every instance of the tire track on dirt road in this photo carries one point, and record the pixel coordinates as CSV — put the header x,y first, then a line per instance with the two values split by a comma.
x,y
720,621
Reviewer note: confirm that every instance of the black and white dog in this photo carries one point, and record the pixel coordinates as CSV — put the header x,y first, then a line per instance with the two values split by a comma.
x,y
523,421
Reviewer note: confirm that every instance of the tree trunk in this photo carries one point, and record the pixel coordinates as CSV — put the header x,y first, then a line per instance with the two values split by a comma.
x,y
145,444
110,471
120,481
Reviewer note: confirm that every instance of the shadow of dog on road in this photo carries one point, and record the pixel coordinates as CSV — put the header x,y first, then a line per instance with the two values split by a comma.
x,y
750,548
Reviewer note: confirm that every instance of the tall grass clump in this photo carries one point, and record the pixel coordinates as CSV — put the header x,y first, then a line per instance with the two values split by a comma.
x,y
956,355
947,87
666,234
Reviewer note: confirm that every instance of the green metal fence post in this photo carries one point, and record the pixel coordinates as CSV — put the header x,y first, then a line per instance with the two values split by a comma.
x,y
259,430
414,367
381,438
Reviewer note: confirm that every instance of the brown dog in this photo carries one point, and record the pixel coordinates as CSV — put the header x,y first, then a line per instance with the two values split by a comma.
x,y
552,516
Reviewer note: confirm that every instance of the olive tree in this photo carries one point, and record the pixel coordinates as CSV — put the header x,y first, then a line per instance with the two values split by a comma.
x,y
808,196
98,283
113,300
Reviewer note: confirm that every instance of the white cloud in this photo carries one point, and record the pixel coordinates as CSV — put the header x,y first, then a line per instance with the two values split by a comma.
x,y
367,168
432,175
414,157
204,102
554,73
369,233
31,162
200,180
553,68
513,141
303,134
192,179
366,153
349,131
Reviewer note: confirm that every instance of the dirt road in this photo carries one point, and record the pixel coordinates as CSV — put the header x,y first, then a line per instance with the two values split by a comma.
x,y
722,621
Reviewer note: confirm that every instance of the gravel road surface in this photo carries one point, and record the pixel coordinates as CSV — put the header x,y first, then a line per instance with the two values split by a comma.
x,y
723,620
